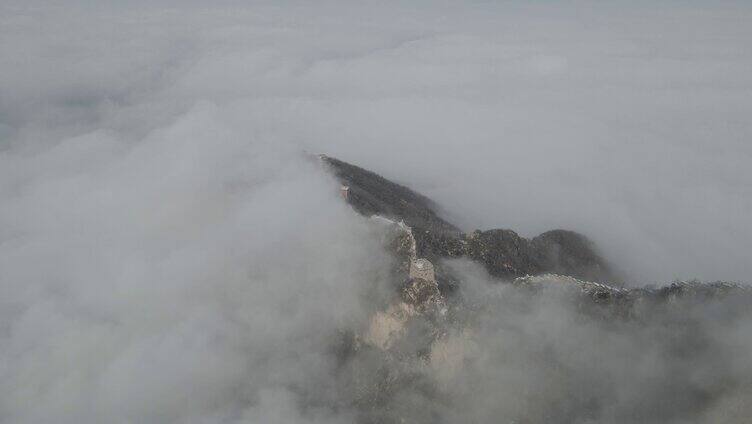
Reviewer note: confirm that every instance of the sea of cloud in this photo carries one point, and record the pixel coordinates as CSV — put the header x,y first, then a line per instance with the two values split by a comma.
x,y
168,252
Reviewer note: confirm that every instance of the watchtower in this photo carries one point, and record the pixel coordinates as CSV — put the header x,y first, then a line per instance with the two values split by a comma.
x,y
344,191
422,268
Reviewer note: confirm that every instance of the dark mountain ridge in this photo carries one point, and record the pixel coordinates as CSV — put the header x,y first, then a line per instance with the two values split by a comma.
x,y
503,252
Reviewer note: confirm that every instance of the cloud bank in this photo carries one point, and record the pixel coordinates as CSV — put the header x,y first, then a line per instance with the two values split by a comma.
x,y
168,254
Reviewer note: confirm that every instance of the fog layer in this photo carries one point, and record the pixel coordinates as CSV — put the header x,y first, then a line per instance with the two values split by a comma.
x,y
169,254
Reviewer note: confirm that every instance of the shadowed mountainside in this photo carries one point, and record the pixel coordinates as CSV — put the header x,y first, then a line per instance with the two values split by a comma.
x,y
502,251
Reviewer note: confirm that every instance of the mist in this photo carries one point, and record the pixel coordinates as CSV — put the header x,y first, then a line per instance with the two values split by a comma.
x,y
170,253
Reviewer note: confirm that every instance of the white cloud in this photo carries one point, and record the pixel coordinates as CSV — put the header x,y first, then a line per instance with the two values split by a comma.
x,y
167,253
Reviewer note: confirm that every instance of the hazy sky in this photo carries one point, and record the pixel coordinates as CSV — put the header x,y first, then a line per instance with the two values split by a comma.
x,y
628,122
154,203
